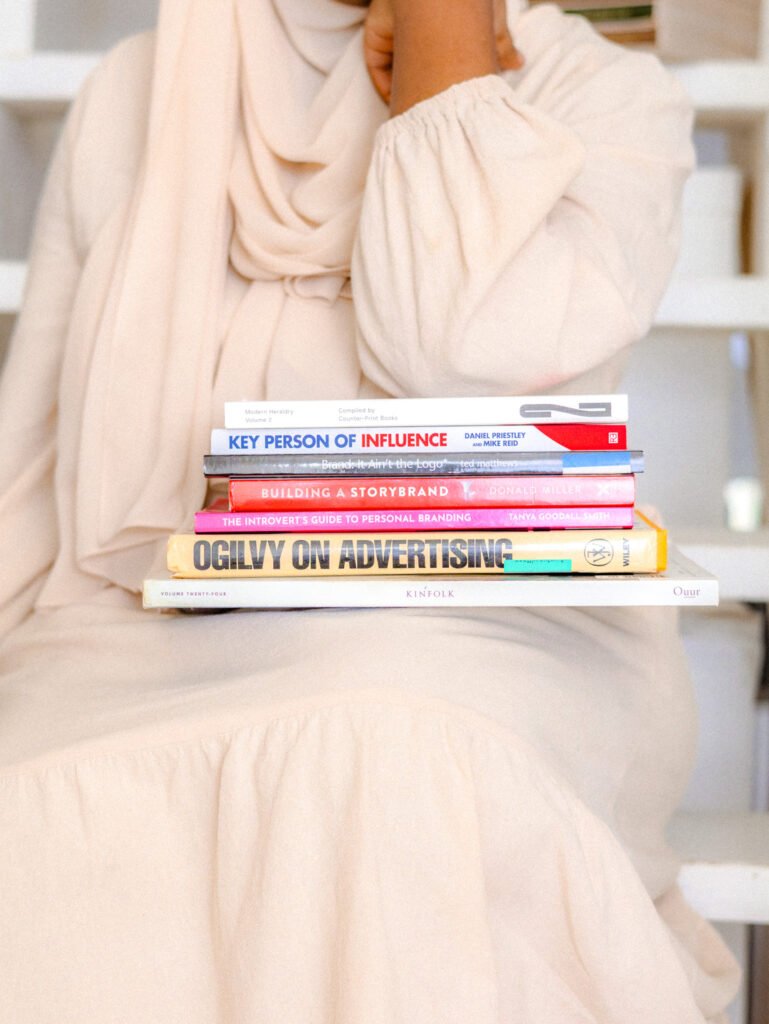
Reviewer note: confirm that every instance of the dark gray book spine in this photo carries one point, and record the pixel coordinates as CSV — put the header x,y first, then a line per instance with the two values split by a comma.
x,y
458,464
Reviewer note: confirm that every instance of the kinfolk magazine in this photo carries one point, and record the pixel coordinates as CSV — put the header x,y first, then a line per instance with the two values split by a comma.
x,y
682,584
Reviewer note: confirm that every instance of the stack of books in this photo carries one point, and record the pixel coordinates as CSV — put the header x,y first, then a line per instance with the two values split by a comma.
x,y
630,22
394,502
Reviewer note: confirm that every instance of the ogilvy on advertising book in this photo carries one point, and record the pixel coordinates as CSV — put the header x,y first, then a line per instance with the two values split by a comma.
x,y
642,549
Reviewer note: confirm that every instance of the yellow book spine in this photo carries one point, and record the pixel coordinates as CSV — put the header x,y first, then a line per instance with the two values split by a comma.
x,y
192,555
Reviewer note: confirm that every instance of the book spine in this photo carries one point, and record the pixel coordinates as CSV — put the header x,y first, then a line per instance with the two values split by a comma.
x,y
427,492
436,464
327,521
448,591
524,437
578,6
264,555
417,412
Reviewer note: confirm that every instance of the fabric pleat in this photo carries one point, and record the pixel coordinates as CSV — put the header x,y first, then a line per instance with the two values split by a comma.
x,y
268,110
364,857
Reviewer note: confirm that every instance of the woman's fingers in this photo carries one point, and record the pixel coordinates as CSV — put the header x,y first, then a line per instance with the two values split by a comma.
x,y
382,79
508,57
378,46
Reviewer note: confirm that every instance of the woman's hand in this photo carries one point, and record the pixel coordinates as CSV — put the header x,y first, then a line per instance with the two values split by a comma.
x,y
427,18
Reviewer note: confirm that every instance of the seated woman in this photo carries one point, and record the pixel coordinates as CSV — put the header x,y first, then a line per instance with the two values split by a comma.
x,y
344,817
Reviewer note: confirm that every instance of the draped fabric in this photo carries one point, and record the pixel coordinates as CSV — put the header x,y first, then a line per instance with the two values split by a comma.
x,y
268,109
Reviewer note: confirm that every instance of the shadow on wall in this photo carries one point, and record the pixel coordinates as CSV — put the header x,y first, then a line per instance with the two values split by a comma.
x,y
90,24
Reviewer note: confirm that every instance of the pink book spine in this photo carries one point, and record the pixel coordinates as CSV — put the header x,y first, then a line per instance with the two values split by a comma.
x,y
392,520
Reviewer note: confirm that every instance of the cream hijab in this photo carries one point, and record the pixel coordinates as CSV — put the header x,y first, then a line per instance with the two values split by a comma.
x,y
261,129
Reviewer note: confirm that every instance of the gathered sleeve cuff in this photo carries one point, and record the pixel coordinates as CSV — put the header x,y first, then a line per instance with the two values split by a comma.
x,y
518,231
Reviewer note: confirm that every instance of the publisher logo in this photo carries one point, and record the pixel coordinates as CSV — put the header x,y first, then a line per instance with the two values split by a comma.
x,y
599,552
545,410
690,592
613,437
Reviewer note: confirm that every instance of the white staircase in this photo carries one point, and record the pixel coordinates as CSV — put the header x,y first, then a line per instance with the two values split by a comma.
x,y
726,865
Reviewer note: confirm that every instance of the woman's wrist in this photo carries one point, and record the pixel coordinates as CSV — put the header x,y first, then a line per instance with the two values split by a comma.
x,y
438,43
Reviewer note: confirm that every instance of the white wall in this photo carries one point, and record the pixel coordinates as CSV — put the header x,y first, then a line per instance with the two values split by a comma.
x,y
26,143
89,24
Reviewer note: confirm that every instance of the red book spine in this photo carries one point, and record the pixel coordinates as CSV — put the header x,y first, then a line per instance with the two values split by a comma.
x,y
275,495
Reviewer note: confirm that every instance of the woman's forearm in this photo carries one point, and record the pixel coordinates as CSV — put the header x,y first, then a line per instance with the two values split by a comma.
x,y
438,43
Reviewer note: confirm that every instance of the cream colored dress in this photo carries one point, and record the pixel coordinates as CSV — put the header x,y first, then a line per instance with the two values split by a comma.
x,y
331,817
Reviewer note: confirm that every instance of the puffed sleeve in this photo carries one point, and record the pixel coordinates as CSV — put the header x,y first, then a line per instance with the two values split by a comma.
x,y
518,231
